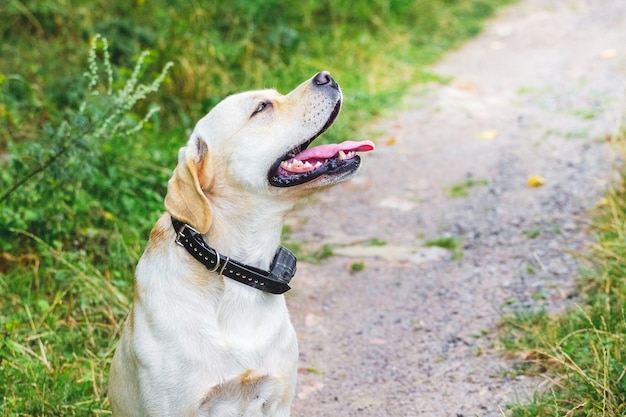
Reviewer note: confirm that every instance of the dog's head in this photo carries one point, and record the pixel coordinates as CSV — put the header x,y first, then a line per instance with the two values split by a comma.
x,y
257,143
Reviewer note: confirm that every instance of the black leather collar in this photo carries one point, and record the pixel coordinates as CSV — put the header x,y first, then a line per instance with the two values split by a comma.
x,y
274,281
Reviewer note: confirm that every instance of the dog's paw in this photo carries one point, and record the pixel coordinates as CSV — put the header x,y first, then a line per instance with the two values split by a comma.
x,y
248,395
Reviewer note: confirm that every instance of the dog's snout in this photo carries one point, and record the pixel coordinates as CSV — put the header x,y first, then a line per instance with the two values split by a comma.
x,y
324,79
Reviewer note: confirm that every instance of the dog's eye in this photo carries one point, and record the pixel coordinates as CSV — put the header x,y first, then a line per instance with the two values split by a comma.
x,y
264,105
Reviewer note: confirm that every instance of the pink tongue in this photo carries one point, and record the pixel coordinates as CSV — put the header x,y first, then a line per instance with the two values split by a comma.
x,y
328,151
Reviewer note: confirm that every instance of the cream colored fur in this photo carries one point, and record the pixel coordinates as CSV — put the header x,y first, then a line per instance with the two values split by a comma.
x,y
196,343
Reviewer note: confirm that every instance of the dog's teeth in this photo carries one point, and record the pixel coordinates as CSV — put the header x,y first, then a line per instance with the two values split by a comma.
x,y
295,165
342,155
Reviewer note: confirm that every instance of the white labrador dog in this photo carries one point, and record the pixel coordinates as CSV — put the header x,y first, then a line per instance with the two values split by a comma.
x,y
209,333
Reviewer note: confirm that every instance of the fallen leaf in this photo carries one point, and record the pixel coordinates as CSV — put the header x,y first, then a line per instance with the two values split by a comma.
x,y
535,181
608,53
488,134
603,202
390,142
309,371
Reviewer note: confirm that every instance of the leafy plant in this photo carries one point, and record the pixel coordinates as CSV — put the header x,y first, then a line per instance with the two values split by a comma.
x,y
52,187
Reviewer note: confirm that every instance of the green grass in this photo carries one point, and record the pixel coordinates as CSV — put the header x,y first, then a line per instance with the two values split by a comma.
x,y
71,236
582,353
532,233
58,320
452,243
357,266
444,242
462,189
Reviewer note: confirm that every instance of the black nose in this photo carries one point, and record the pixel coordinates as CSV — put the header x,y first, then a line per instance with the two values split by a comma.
x,y
323,78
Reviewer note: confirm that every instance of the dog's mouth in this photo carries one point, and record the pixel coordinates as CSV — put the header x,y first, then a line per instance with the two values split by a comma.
x,y
303,164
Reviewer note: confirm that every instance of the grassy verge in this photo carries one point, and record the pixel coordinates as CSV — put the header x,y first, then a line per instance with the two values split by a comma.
x,y
375,49
582,353
70,237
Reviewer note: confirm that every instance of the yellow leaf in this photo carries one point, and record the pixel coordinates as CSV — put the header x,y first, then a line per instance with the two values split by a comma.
x,y
390,142
608,54
107,216
603,202
488,134
535,181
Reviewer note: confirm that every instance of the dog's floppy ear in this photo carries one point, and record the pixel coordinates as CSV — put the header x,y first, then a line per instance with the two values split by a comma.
x,y
185,199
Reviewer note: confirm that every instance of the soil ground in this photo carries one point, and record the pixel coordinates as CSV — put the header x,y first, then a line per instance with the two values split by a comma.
x,y
414,333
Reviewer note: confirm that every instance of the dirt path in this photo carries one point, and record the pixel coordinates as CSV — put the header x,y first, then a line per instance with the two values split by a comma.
x,y
413,333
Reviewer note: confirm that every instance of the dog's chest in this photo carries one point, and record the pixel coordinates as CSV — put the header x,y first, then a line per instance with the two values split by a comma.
x,y
234,328
208,345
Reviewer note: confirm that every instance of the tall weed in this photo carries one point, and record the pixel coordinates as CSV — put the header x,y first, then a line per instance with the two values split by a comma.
x,y
53,187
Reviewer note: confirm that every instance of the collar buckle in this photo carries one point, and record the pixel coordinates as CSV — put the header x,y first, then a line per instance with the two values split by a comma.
x,y
181,233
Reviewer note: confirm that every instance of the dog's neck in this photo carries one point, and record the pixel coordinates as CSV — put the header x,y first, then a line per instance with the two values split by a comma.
x,y
250,232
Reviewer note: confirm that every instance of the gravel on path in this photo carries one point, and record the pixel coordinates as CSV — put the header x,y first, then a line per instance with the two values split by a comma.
x,y
414,333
